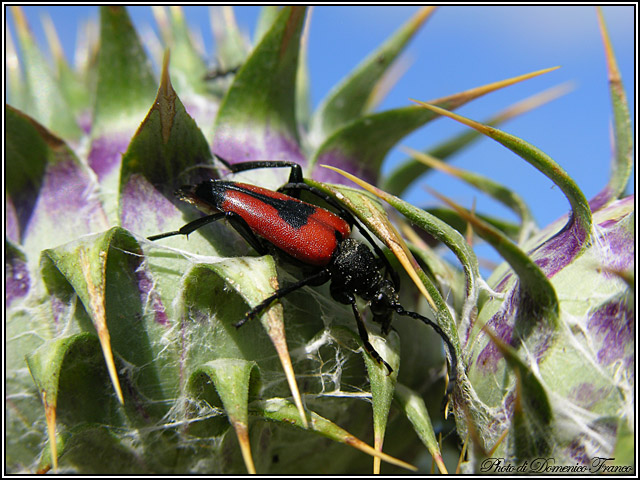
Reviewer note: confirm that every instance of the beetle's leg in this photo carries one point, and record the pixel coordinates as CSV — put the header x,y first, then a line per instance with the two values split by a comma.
x,y
348,298
236,221
240,226
317,279
190,227
349,217
294,177
364,335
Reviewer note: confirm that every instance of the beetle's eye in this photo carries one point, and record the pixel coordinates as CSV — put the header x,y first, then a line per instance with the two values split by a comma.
x,y
377,308
380,305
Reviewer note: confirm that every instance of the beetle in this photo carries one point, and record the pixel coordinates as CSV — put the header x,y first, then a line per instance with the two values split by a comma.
x,y
303,233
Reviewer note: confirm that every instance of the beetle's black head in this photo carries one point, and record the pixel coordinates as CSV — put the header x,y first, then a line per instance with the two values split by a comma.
x,y
202,196
356,270
185,192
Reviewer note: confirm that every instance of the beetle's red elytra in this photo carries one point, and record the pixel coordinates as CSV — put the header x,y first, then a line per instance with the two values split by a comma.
x,y
307,232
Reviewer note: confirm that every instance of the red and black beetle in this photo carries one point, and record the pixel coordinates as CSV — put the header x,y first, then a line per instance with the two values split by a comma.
x,y
307,234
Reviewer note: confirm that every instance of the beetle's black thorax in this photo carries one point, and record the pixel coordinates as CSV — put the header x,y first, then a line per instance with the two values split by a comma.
x,y
354,269
212,192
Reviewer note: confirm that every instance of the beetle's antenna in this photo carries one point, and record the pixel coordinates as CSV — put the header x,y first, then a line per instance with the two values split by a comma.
x,y
454,360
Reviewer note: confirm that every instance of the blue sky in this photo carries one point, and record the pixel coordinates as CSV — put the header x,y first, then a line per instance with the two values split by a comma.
x,y
462,47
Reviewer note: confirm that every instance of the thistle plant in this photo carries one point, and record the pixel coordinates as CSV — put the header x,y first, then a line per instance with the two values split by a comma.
x,y
121,352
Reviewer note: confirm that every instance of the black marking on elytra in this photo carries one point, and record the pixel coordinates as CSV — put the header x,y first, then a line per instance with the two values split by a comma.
x,y
293,212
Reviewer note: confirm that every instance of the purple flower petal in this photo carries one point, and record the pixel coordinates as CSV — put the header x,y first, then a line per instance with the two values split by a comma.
x,y
106,152
601,199
59,309
557,252
11,221
85,121
242,145
149,297
144,209
612,331
17,279
67,206
350,164
503,282
619,254
501,323
586,395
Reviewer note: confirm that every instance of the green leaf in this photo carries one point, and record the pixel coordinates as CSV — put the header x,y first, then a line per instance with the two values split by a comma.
x,y
442,273
283,411
27,153
369,137
254,279
47,102
382,385
360,146
622,135
531,428
125,89
72,85
232,378
580,222
47,186
255,289
187,66
266,19
71,378
539,302
205,410
576,362
303,87
88,448
410,170
16,87
347,101
167,151
209,308
126,83
231,46
416,411
257,116
511,230
497,191
624,452
27,327
104,271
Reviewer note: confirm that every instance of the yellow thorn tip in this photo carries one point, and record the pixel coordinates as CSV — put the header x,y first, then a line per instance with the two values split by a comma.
x,y
50,415
242,433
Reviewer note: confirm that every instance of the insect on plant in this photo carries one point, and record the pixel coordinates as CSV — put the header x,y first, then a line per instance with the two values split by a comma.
x,y
309,235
